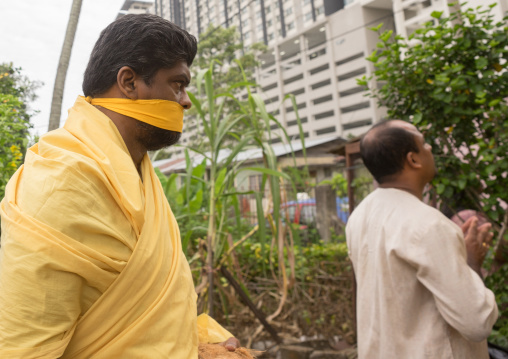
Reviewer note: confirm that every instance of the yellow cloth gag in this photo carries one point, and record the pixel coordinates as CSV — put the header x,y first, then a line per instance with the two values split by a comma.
x,y
164,114
91,263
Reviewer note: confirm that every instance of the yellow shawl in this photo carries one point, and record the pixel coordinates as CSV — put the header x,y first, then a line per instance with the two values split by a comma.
x,y
91,263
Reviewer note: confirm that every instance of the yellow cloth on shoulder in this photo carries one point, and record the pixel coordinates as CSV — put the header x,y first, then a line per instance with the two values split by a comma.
x,y
91,263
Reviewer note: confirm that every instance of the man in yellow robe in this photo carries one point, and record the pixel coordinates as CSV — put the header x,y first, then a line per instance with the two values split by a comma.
x,y
91,263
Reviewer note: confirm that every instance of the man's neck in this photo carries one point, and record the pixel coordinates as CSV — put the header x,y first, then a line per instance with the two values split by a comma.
x,y
403,186
126,127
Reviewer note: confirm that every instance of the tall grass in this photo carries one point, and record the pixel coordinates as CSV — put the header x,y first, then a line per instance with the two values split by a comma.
x,y
231,126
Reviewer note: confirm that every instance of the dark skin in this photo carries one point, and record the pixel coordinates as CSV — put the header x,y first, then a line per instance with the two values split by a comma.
x,y
167,84
419,169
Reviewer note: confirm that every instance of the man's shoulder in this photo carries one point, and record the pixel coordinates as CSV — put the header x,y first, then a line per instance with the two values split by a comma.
x,y
389,206
51,171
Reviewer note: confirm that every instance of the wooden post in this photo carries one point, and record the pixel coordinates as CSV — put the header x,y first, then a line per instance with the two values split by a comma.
x,y
326,210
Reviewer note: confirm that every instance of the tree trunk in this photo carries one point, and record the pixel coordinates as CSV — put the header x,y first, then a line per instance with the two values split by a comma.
x,y
63,65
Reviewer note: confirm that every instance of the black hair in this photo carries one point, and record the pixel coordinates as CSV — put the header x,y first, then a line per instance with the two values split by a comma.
x,y
384,149
146,43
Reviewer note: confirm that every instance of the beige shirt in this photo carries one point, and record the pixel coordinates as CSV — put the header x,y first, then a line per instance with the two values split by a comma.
x,y
417,297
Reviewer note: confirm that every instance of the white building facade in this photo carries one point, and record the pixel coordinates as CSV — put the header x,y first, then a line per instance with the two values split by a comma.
x,y
317,50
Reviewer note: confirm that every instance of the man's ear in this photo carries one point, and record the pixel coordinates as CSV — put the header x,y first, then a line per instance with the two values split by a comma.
x,y
413,160
126,80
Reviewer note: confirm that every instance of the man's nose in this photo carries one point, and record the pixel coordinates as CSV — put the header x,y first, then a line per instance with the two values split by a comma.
x,y
185,101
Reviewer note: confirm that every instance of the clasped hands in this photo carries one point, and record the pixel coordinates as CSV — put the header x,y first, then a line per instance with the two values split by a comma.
x,y
478,239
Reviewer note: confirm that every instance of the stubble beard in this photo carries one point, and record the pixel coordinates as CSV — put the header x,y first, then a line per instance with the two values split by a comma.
x,y
154,138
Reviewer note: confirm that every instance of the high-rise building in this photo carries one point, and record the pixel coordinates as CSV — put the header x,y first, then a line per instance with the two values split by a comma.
x,y
136,7
317,50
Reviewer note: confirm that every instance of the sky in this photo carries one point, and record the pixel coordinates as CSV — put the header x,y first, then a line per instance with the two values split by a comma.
x,y
33,32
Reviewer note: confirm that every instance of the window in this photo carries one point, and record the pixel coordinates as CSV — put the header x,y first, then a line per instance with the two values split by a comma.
x,y
321,84
271,36
258,15
305,2
246,36
323,115
351,74
289,11
320,10
299,106
273,99
268,10
325,130
244,10
351,91
322,99
317,53
348,59
260,27
358,106
295,62
269,87
269,23
319,69
360,123
308,16
245,23
293,79
295,122
297,92
290,26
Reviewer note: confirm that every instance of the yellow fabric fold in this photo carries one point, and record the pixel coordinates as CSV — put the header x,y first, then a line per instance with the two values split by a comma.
x,y
91,263
164,114
211,332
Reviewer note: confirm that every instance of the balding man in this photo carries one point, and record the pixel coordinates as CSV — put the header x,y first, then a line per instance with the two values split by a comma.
x,y
420,291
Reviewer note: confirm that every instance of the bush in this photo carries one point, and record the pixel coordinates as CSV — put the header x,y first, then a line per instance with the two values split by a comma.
x,y
15,91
